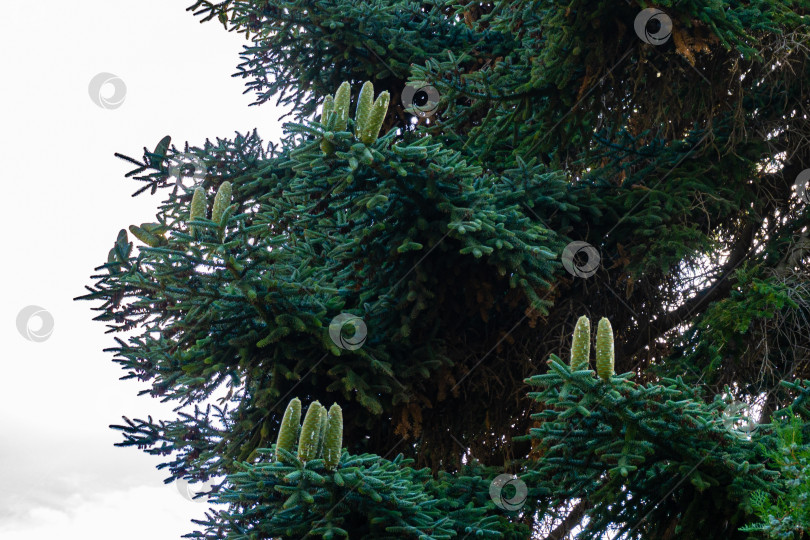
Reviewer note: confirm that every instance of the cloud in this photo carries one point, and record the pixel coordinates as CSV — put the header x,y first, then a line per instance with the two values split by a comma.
x,y
78,485
134,513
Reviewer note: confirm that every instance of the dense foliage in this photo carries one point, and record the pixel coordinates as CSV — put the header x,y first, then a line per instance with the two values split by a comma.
x,y
447,166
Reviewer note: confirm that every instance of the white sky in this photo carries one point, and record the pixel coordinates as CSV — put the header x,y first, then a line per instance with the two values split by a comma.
x,y
64,200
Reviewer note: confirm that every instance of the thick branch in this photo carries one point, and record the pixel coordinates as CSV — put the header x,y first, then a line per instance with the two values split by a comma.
x,y
658,327
571,520
779,186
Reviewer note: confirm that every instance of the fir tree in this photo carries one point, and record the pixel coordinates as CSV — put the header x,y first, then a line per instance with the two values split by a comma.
x,y
412,248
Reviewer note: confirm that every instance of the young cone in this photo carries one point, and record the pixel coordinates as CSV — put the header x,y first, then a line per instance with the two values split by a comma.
x,y
328,105
581,344
321,431
198,204
342,102
375,119
290,423
308,441
333,438
364,102
222,200
604,350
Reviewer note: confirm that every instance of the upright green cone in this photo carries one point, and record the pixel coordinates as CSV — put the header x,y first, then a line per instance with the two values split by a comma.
x,y
310,432
328,106
342,101
604,350
290,423
321,431
222,200
364,102
335,115
371,127
198,204
581,344
333,438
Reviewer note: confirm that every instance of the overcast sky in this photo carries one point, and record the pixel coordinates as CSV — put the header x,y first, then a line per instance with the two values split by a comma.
x,y
64,200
